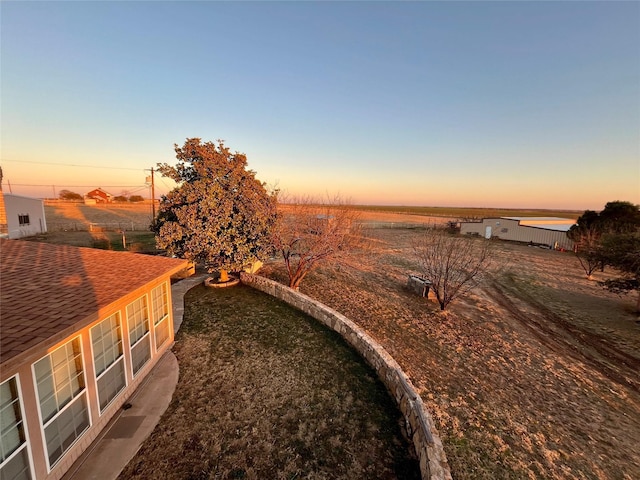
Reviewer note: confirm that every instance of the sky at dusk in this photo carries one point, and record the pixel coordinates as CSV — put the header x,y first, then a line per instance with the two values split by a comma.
x,y
487,104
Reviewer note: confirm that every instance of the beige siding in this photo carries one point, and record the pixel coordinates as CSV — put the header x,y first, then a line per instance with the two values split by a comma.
x,y
506,229
99,420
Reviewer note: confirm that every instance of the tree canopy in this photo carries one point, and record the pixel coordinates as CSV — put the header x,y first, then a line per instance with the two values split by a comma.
x,y
69,195
622,251
616,217
219,213
593,231
611,237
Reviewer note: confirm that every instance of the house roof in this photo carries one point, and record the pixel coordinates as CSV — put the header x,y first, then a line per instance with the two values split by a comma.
x,y
50,290
542,220
548,223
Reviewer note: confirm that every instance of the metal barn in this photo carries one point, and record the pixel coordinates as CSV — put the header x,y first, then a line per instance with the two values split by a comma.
x,y
548,231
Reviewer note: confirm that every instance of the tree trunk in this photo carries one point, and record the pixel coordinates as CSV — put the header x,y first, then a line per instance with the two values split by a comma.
x,y
638,304
224,276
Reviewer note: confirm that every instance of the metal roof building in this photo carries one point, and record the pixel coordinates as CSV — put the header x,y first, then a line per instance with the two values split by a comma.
x,y
548,231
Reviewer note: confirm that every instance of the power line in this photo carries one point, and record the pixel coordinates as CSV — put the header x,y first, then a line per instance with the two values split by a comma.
x,y
73,165
76,186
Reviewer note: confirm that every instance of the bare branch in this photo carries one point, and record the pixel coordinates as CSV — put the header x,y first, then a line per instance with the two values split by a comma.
x,y
454,265
310,232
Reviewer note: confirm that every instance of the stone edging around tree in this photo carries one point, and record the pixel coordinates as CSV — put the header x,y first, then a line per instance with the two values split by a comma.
x,y
420,427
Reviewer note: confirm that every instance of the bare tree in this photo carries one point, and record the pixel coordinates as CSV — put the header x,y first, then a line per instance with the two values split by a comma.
x,y
588,249
454,265
309,233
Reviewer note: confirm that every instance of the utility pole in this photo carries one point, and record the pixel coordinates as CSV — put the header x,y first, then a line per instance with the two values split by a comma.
x,y
151,180
153,196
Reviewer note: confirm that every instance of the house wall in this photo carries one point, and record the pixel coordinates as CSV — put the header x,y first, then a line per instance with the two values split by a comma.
x,y
4,228
18,207
29,392
506,229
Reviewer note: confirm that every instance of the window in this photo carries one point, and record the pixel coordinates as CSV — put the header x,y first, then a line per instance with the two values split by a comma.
x,y
160,308
23,220
14,458
138,320
106,340
63,398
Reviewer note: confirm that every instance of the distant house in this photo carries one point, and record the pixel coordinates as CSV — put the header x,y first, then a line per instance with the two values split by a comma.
x,y
98,195
80,330
24,216
547,231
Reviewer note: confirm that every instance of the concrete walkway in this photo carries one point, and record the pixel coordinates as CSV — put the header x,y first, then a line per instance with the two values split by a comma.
x,y
118,443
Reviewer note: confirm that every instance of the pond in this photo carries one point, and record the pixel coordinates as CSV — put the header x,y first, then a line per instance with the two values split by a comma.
x,y
266,392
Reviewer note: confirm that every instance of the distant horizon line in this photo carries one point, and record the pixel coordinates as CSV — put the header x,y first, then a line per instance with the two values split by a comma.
x,y
386,205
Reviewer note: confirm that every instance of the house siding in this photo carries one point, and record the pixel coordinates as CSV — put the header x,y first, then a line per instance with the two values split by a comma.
x,y
99,420
4,227
17,207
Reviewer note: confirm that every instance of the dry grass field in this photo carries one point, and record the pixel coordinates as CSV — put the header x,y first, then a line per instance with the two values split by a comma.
x,y
535,375
100,226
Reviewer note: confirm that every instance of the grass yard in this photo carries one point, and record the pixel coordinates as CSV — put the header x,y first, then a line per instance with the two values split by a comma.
x,y
265,392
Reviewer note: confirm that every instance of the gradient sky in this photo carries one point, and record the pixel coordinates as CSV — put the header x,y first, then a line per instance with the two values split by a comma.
x,y
493,104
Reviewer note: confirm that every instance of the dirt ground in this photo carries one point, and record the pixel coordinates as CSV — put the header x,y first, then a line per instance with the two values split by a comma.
x,y
535,375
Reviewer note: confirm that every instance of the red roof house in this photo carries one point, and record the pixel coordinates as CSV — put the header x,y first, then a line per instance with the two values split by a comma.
x,y
99,195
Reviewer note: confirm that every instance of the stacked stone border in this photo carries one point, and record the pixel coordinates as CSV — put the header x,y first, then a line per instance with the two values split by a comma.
x,y
419,423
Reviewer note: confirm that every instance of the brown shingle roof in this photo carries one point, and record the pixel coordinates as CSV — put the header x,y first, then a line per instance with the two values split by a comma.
x,y
45,289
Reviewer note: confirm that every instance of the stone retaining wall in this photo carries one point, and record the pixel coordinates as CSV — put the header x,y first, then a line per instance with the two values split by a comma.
x,y
427,444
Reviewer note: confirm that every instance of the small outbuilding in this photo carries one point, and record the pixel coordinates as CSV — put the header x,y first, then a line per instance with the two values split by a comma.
x,y
80,330
24,216
546,231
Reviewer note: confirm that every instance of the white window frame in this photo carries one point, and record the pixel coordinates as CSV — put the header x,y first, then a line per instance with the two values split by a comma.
x,y
78,397
26,443
143,338
120,359
164,296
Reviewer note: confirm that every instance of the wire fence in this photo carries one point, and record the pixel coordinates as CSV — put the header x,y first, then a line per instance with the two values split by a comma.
x,y
79,226
405,225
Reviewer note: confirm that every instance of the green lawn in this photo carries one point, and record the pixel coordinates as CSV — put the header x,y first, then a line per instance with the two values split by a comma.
x,y
265,392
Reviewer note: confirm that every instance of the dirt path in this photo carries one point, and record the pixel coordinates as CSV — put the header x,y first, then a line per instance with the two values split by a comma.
x,y
563,337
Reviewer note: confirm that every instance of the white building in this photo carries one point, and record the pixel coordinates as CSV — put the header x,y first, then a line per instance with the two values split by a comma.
x,y
548,231
25,216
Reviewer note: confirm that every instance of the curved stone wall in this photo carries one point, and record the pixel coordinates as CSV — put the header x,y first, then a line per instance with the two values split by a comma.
x,y
427,444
